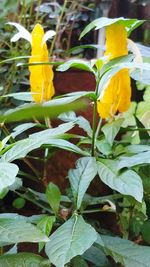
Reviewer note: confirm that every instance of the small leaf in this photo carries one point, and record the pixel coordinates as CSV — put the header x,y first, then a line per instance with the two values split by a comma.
x,y
53,195
80,178
111,129
70,240
45,224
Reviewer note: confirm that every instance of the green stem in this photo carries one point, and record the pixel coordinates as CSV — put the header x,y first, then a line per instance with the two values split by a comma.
x,y
58,27
94,129
98,127
94,118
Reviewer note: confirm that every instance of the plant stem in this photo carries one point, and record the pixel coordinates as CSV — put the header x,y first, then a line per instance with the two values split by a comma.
x,y
98,127
58,27
94,129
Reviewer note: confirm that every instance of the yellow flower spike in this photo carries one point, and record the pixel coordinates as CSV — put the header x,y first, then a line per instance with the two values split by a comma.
x,y
41,76
117,94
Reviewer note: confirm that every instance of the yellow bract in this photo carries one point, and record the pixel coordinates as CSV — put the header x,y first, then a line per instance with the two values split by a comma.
x,y
117,94
41,76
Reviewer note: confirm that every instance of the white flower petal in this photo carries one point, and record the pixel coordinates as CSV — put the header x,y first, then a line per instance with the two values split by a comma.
x,y
48,35
22,33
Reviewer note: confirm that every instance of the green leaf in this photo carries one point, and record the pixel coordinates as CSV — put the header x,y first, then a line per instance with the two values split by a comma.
x,y
76,49
146,231
16,231
8,173
78,261
80,178
76,63
111,129
135,149
23,147
96,256
104,147
49,109
127,183
53,195
80,120
130,24
23,259
22,128
23,96
4,142
45,224
19,203
116,68
126,252
138,159
70,240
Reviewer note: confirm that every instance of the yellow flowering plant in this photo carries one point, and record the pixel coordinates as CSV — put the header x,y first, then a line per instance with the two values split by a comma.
x,y
41,76
65,228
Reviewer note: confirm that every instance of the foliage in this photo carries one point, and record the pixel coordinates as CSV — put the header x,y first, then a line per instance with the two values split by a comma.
x,y
64,227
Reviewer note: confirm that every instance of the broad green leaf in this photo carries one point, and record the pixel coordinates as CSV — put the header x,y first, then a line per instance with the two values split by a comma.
x,y
111,129
96,256
49,109
126,252
70,240
23,147
53,195
97,24
76,63
8,173
127,182
81,177
16,231
138,159
23,259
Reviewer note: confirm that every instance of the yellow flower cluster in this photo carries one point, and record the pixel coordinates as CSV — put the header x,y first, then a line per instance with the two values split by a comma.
x,y
117,94
41,76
